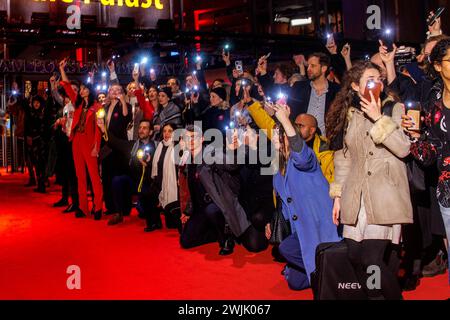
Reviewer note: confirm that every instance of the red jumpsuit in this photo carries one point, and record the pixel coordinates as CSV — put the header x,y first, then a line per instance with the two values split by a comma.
x,y
85,136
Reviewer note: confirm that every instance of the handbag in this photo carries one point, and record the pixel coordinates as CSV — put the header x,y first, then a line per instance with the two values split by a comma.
x,y
280,228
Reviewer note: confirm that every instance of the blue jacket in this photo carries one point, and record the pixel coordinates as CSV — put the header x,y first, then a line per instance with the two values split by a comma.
x,y
306,203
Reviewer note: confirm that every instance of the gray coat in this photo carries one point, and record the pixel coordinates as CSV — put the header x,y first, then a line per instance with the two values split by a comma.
x,y
221,182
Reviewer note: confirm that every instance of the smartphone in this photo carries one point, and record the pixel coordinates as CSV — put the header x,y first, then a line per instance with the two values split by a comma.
x,y
435,16
330,39
226,49
375,87
281,99
413,109
239,67
387,37
136,68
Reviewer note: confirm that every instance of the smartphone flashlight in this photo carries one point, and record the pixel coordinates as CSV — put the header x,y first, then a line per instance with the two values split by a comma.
x,y
103,74
144,60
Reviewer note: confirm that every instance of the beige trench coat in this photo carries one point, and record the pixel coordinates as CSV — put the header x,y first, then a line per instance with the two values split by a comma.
x,y
372,166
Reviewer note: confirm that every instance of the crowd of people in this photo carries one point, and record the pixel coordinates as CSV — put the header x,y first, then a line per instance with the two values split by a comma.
x,y
351,162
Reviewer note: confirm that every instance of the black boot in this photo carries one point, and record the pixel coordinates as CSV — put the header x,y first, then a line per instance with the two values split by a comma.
x,y
79,214
227,248
98,215
61,203
71,208
153,227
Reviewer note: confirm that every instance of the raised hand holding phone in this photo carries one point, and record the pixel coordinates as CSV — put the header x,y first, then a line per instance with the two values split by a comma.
x,y
331,44
434,20
371,108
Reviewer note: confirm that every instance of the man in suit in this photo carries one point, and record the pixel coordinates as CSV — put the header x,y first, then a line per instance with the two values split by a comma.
x,y
315,95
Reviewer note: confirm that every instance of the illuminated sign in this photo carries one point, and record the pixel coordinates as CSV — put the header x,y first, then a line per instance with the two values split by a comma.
x,y
144,4
144,13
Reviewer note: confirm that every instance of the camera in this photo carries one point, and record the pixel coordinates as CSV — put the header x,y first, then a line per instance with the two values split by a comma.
x,y
404,56
239,67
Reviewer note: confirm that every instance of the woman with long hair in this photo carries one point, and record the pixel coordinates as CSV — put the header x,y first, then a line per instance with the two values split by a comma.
x,y
370,191
86,137
302,190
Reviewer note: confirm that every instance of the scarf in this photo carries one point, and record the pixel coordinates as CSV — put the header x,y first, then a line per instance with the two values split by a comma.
x,y
169,190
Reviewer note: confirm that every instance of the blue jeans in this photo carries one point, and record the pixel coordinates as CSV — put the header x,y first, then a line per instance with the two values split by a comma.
x,y
445,212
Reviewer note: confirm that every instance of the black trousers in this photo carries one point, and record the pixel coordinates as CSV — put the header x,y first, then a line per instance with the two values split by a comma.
x,y
122,193
38,157
209,226
259,213
107,182
172,212
373,253
205,226
123,189
67,173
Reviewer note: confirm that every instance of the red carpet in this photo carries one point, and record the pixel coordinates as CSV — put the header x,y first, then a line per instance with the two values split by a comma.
x,y
38,243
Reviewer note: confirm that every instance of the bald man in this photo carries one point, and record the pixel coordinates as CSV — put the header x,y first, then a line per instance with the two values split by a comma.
x,y
307,125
